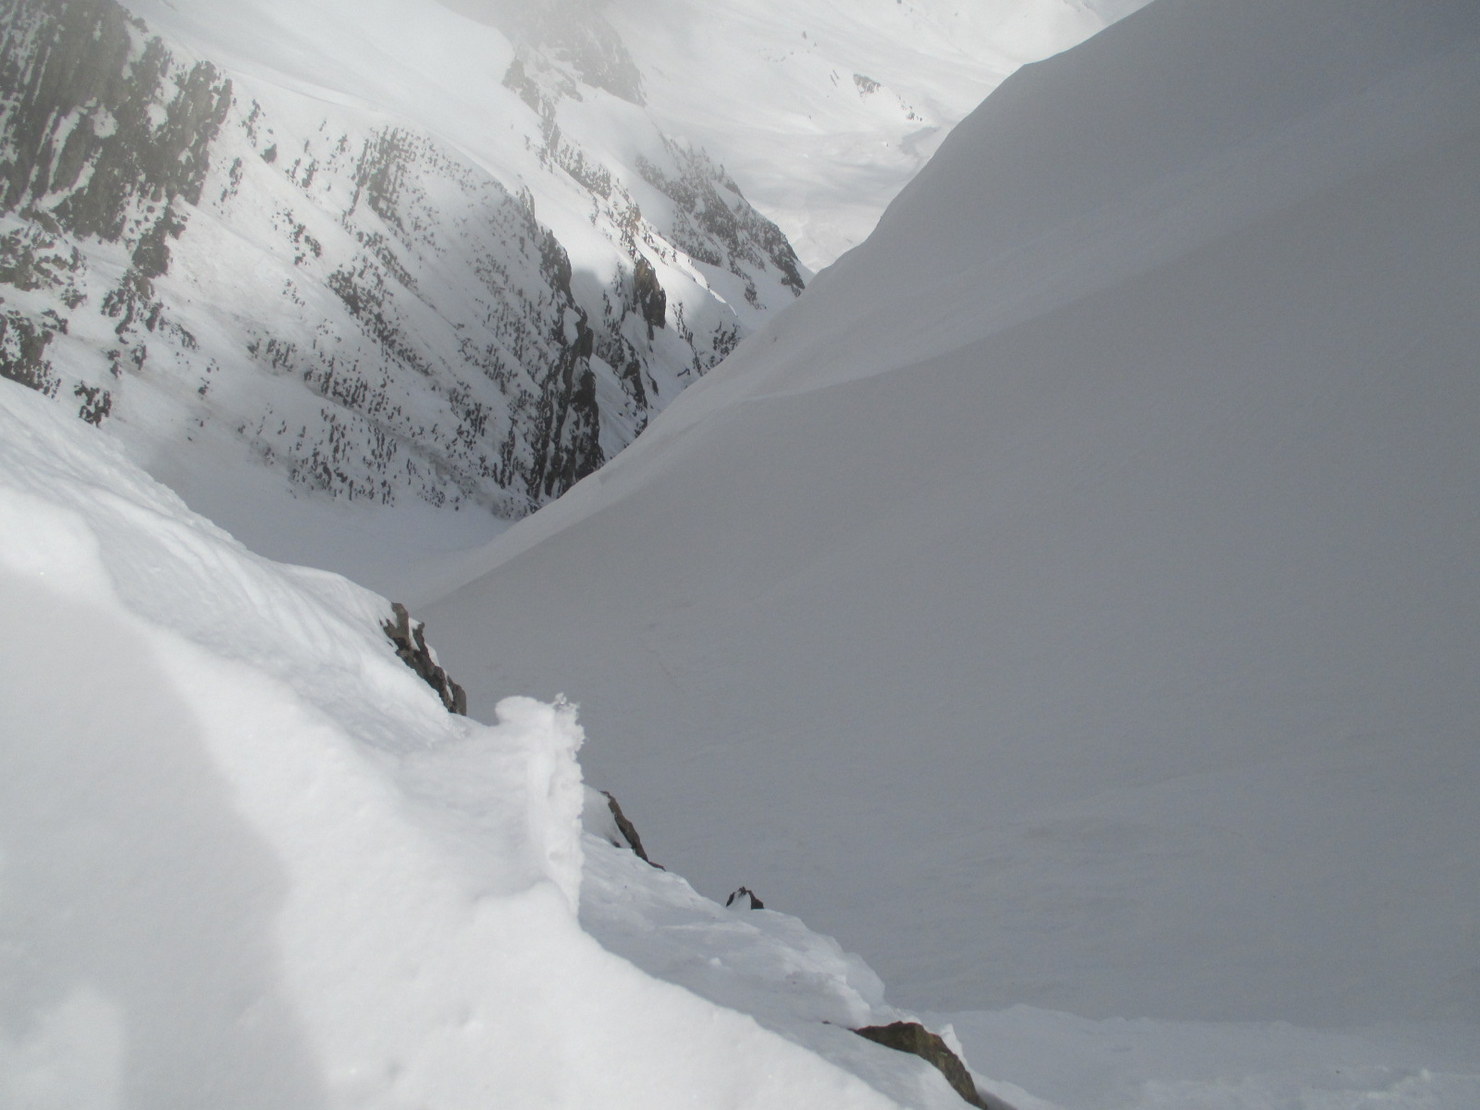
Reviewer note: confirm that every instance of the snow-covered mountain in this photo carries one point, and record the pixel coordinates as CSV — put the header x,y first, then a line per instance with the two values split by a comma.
x,y
1071,603
373,245
385,254
1073,599
821,110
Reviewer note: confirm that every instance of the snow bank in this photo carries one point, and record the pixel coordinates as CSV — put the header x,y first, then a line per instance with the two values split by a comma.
x,y
246,859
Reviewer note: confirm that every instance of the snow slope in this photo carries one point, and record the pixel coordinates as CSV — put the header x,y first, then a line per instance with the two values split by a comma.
x,y
1073,600
1118,1064
821,110
248,860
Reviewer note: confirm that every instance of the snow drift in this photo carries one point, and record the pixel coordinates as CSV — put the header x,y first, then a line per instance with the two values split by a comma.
x,y
247,859
1073,599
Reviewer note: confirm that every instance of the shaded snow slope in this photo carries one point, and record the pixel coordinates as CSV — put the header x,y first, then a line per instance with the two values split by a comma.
x,y
1073,600
1115,1064
247,859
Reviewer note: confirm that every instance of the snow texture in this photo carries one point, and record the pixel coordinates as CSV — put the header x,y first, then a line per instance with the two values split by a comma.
x,y
248,860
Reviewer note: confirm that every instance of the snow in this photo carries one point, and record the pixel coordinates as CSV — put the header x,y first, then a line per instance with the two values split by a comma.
x,y
250,285
246,859
1120,1064
1072,602
822,111
392,347
1071,605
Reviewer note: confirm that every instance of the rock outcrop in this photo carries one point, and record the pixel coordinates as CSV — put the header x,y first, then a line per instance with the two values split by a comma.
x,y
912,1037
410,641
745,899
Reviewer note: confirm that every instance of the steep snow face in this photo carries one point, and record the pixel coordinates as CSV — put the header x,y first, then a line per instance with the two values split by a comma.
x,y
248,860
1073,599
374,247
821,110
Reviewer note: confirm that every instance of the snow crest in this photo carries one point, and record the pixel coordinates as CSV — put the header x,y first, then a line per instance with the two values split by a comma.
x,y
247,859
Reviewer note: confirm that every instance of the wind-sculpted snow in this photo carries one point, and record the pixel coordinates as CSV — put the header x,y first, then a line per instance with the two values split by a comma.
x,y
1074,596
248,859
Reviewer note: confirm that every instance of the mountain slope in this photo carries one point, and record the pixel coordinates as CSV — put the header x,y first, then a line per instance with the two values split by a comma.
x,y
317,262
1073,597
370,248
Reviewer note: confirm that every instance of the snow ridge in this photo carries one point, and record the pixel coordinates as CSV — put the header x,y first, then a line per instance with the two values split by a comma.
x,y
248,859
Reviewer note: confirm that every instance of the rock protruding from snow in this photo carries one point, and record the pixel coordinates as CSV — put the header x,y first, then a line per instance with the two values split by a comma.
x,y
410,641
745,899
914,1038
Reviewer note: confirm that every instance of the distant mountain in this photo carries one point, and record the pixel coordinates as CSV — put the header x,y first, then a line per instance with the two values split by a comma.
x,y
821,111
377,246
1073,598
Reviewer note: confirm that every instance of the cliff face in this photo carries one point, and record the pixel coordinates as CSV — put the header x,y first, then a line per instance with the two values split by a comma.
x,y
358,299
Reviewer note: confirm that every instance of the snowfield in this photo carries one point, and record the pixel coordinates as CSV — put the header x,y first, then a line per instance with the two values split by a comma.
x,y
247,860
825,110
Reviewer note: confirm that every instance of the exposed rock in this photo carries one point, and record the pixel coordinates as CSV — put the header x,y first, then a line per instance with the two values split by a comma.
x,y
96,404
745,899
90,93
627,829
409,638
652,302
911,1036
573,34
713,214
22,347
